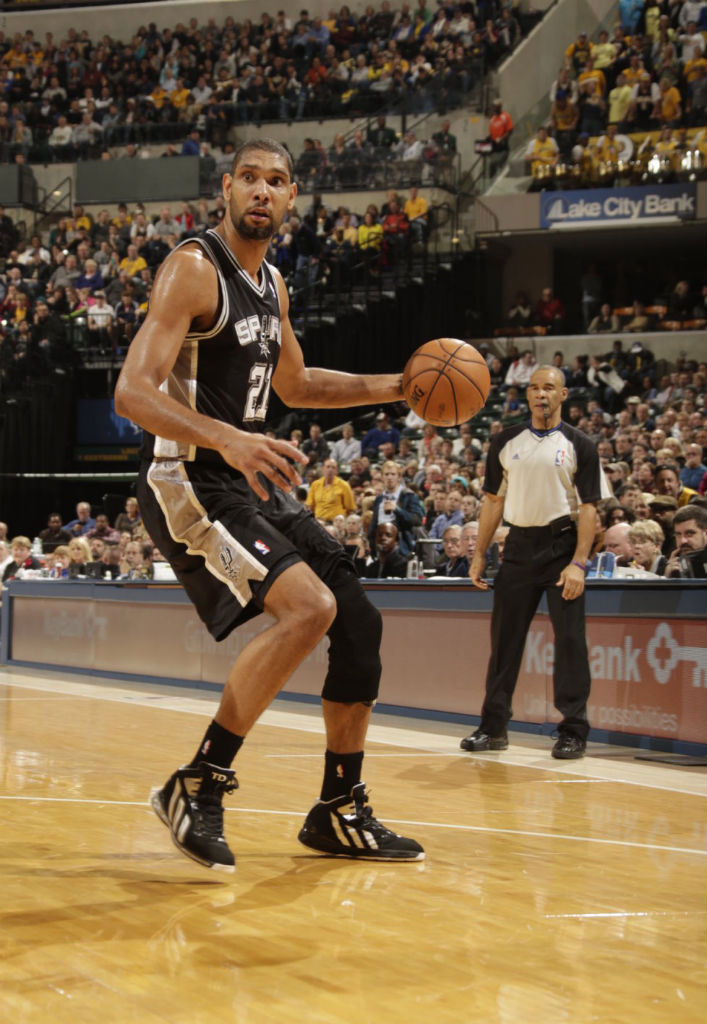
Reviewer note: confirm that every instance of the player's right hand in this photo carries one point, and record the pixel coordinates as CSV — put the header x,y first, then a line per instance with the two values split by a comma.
x,y
478,564
252,454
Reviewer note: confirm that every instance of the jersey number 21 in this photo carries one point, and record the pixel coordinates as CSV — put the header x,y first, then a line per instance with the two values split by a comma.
x,y
256,403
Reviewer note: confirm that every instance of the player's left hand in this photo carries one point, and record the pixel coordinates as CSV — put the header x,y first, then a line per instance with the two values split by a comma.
x,y
572,582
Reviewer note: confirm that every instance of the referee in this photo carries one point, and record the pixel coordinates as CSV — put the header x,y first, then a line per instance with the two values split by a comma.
x,y
544,478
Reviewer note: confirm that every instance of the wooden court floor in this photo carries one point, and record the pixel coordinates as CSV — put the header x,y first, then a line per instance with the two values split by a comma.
x,y
551,892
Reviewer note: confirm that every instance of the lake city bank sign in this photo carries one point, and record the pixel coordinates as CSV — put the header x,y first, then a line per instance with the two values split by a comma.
x,y
613,206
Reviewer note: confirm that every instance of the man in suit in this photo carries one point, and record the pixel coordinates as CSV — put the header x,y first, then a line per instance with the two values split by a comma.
x,y
396,505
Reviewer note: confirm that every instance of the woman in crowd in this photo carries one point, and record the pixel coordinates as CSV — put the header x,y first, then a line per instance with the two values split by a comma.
x,y
79,557
647,538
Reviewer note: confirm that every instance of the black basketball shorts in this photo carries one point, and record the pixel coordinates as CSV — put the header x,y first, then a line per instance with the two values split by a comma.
x,y
227,546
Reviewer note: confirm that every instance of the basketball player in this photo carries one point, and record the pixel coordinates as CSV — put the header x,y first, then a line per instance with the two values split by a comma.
x,y
216,497
544,478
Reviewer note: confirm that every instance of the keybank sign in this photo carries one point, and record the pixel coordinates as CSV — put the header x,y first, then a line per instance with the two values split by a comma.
x,y
604,205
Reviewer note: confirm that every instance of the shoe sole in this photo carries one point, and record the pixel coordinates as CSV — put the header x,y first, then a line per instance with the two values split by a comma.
x,y
488,748
356,854
156,804
572,756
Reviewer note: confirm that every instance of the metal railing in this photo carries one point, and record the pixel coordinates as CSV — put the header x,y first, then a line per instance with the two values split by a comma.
x,y
59,199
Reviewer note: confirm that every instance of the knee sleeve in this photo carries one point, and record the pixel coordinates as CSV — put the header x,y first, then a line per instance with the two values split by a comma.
x,y
354,646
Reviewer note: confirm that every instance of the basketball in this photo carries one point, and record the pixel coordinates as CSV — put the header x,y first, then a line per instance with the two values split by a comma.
x,y
446,382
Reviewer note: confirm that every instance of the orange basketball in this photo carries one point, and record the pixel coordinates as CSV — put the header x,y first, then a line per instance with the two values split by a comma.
x,y
446,382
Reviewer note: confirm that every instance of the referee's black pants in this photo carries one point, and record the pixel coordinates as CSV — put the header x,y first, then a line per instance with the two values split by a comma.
x,y
533,559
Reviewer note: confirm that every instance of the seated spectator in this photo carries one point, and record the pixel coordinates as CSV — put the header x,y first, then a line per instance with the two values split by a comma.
x,y
396,504
53,535
680,302
135,566
451,516
521,370
370,241
103,530
520,313
354,542
668,106
415,210
646,538
541,156
605,322
592,110
639,321
100,319
330,496
91,277
454,562
389,561
694,470
22,558
60,558
348,447
645,99
667,482
379,435
316,446
689,559
564,118
395,232
638,361
79,557
550,311
616,540
130,519
83,522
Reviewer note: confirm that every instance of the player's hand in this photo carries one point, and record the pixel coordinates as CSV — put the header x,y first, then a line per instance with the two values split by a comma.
x,y
255,453
478,564
572,582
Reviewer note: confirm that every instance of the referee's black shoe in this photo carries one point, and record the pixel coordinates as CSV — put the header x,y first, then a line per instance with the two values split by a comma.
x,y
569,747
479,741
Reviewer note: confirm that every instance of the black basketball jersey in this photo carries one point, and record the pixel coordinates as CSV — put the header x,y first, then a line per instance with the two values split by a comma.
x,y
226,372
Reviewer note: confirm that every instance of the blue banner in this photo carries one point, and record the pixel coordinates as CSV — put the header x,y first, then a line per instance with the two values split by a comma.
x,y
618,205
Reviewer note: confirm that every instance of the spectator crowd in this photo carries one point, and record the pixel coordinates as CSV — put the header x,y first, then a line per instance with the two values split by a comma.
x,y
82,288
403,498
630,107
78,97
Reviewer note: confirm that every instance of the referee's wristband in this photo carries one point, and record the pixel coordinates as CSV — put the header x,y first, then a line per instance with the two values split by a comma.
x,y
580,565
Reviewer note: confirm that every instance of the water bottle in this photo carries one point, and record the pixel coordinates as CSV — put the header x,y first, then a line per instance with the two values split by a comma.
x,y
413,568
37,550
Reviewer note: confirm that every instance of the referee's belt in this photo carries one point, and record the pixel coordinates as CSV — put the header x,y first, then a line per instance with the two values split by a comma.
x,y
553,529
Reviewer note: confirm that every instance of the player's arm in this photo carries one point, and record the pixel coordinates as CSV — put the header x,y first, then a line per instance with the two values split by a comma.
x,y
300,386
572,577
185,291
490,518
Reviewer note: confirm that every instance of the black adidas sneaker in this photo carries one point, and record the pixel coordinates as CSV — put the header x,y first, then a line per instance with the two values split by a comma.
x,y
345,827
190,805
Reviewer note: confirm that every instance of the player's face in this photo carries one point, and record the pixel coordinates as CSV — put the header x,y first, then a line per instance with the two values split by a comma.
x,y
258,194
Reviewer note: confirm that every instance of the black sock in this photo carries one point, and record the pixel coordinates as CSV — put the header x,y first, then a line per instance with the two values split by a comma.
x,y
219,747
341,773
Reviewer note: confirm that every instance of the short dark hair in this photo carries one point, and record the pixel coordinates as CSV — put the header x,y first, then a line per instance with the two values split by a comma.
x,y
270,146
690,511
672,466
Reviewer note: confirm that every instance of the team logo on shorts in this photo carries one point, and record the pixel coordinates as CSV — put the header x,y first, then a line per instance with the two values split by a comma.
x,y
230,566
262,548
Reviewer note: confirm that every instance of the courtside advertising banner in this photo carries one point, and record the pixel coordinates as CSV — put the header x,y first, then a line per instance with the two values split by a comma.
x,y
618,205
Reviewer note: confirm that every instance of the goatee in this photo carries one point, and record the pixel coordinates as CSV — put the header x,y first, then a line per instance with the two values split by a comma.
x,y
253,232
